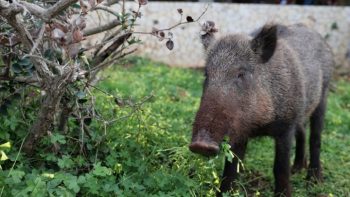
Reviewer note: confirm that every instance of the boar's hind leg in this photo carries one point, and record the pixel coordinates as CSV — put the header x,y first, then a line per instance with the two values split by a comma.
x,y
281,168
316,124
230,170
299,160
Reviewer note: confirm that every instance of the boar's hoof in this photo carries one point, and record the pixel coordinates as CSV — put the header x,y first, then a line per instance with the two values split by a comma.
x,y
314,176
298,166
204,148
296,169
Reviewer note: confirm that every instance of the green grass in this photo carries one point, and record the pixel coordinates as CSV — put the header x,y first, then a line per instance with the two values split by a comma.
x,y
142,149
177,95
161,131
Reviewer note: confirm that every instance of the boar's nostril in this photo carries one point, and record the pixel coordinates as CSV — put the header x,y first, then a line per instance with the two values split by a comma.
x,y
204,148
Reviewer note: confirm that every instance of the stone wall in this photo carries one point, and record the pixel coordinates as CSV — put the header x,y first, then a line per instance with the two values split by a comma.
x,y
332,22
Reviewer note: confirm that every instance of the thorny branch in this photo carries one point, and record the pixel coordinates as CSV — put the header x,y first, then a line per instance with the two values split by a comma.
x,y
112,60
46,14
38,40
155,32
102,28
105,8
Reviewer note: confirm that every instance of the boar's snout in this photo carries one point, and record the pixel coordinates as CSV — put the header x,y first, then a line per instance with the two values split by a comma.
x,y
202,144
204,148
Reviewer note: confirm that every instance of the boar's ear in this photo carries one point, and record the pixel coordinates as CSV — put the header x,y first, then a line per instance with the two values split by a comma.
x,y
264,43
207,34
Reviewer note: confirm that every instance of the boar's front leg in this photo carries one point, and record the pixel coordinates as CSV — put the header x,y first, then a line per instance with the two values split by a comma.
x,y
231,168
281,167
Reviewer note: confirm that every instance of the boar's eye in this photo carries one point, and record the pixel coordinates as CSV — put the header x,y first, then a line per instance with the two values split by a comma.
x,y
240,75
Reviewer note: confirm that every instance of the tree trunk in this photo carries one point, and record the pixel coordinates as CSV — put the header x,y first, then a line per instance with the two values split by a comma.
x,y
64,116
45,119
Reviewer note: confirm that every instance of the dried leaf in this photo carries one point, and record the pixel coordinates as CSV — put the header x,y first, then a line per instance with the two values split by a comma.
x,y
57,34
143,2
180,11
4,40
170,44
189,19
162,34
77,36
208,27
84,8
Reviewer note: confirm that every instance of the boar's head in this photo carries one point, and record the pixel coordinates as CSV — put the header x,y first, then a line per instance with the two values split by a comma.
x,y
233,100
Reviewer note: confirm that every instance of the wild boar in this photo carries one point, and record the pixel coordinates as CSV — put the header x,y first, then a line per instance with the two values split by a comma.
x,y
270,83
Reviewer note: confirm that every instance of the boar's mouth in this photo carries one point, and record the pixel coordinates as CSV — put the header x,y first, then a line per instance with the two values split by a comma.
x,y
203,144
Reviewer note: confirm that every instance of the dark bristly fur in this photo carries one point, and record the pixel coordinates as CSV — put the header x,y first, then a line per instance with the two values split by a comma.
x,y
270,84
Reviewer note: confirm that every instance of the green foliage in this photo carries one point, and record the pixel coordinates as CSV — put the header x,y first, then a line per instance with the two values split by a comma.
x,y
23,67
137,144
